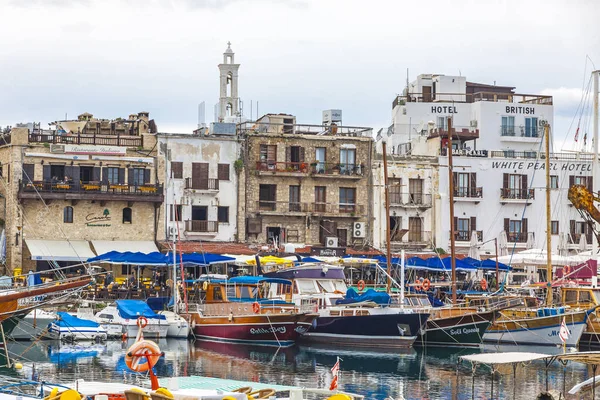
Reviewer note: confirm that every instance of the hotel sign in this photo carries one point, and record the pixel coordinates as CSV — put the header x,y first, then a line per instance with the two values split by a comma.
x,y
94,149
444,110
541,165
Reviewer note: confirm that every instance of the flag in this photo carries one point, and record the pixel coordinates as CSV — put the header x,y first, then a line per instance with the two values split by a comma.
x,y
577,134
335,370
563,333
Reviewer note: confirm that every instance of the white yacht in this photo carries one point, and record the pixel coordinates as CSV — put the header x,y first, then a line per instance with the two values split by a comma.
x,y
32,325
179,327
121,318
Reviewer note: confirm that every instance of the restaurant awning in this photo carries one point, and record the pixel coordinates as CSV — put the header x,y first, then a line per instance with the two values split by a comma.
x,y
59,250
124,246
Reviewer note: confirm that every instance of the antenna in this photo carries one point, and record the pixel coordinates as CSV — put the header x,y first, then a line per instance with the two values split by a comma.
x,y
201,115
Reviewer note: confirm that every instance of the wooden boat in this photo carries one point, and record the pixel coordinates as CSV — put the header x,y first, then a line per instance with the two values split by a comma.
x,y
237,311
585,298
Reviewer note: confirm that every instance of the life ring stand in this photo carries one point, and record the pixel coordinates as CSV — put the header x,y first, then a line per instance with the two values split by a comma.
x,y
426,285
142,322
361,285
256,307
484,284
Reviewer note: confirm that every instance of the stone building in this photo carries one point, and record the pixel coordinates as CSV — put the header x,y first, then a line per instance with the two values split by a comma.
x,y
86,187
308,184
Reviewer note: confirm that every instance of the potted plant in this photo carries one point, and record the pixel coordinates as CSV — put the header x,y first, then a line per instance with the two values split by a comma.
x,y
336,169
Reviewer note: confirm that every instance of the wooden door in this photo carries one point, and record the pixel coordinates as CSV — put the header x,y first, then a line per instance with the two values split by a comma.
x,y
415,233
200,176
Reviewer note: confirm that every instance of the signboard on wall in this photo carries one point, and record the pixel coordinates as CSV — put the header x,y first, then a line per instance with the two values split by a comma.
x,y
99,220
328,251
94,149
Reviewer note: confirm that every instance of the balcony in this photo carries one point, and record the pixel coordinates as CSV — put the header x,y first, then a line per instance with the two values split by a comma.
x,y
410,200
282,168
270,207
517,237
200,226
510,195
337,170
207,185
413,240
49,190
523,134
468,194
102,140
465,236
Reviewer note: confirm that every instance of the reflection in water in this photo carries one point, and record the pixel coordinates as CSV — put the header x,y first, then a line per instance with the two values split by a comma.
x,y
414,373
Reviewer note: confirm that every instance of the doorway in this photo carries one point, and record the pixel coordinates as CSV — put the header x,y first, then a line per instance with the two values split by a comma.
x,y
275,235
87,174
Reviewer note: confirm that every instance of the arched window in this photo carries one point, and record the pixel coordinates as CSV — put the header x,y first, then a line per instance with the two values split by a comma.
x,y
68,215
229,109
229,80
127,215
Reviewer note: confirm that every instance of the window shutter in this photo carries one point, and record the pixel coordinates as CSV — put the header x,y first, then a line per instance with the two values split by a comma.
x,y
105,175
572,229
121,176
28,173
571,180
590,184
46,171
455,226
96,174
455,179
505,181
301,154
147,175
473,183
177,169
223,172
130,176
524,183
506,225
524,226
288,154
473,225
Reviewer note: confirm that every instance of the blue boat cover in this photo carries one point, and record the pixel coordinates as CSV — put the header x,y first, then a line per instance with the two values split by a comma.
x,y
158,303
67,320
254,280
132,309
115,257
205,258
310,260
370,295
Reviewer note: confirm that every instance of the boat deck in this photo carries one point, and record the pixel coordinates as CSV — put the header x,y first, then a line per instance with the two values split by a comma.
x,y
206,383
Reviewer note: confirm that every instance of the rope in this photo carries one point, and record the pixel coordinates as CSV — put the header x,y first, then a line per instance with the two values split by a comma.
x,y
274,331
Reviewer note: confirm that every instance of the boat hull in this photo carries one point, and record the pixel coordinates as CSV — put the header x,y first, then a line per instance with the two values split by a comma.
x,y
541,331
379,330
75,333
263,329
29,329
465,330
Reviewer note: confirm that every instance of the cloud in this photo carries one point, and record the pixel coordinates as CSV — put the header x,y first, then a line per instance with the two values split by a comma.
x,y
567,100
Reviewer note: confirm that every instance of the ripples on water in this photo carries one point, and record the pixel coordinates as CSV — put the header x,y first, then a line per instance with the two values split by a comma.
x,y
415,373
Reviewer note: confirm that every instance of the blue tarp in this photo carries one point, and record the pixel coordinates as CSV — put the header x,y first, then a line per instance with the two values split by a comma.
x,y
488,264
370,295
67,320
158,303
205,258
132,309
115,257
254,280
445,264
310,260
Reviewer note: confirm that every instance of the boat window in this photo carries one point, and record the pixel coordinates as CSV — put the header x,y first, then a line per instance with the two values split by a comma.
x,y
596,296
326,286
106,316
231,291
571,297
306,286
406,301
425,301
340,285
248,291
584,297
217,295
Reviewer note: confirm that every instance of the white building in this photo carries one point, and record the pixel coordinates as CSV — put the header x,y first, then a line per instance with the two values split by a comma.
x,y
499,171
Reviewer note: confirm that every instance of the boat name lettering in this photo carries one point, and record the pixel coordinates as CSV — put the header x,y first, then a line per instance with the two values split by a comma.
x,y
262,331
520,110
301,329
535,165
463,331
556,333
444,109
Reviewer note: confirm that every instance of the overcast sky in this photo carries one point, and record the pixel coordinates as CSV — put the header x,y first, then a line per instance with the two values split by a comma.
x,y
112,58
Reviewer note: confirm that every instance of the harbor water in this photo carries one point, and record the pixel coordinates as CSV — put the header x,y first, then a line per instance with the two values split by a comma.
x,y
419,373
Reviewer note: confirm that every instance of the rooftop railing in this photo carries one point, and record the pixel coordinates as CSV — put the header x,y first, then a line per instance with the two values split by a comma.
x,y
103,140
472,98
249,128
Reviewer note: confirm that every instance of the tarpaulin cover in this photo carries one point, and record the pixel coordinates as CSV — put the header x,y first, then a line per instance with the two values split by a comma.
x,y
253,280
370,295
132,309
581,271
115,257
67,320
489,264
158,303
205,258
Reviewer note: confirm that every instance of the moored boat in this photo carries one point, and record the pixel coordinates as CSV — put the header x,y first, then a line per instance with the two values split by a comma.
x,y
122,318
68,327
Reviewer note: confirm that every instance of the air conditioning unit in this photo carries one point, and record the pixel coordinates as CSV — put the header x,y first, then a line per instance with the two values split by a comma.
x,y
542,123
473,123
57,148
331,241
358,229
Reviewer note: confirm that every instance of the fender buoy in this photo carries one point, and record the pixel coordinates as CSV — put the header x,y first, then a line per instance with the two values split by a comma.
x,y
484,284
205,286
256,307
360,285
142,356
566,270
142,322
426,284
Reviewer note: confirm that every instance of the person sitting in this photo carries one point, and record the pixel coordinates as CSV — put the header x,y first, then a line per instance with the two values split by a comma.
x,y
108,279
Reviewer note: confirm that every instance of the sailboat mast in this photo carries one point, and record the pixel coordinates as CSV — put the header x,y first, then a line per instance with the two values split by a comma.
x,y
451,198
595,184
174,252
548,219
387,217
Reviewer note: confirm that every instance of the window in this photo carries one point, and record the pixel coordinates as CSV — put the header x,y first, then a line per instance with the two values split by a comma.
x,y
320,199
178,209
268,152
347,200
294,156
463,228
223,172
267,196
531,127
177,169
508,126
68,215
442,123
112,175
554,227
295,198
516,230
553,181
580,180
138,176
347,161
127,215
415,190
514,186
223,214
320,154
394,186
342,235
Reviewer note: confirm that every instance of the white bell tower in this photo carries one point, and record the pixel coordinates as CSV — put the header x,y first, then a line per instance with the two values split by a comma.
x,y
229,101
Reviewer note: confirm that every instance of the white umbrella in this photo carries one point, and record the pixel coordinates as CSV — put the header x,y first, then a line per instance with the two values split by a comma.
x,y
3,246
562,244
503,244
582,243
473,249
530,240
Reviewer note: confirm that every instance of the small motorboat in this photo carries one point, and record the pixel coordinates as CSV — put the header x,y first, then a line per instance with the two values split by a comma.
x,y
178,326
69,327
123,315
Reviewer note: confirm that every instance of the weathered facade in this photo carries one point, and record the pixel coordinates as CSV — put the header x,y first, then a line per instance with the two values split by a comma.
x,y
88,180
305,184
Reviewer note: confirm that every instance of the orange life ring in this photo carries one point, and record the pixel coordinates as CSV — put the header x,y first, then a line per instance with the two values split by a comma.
x,y
360,285
483,284
566,270
142,322
426,284
256,307
419,285
142,356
